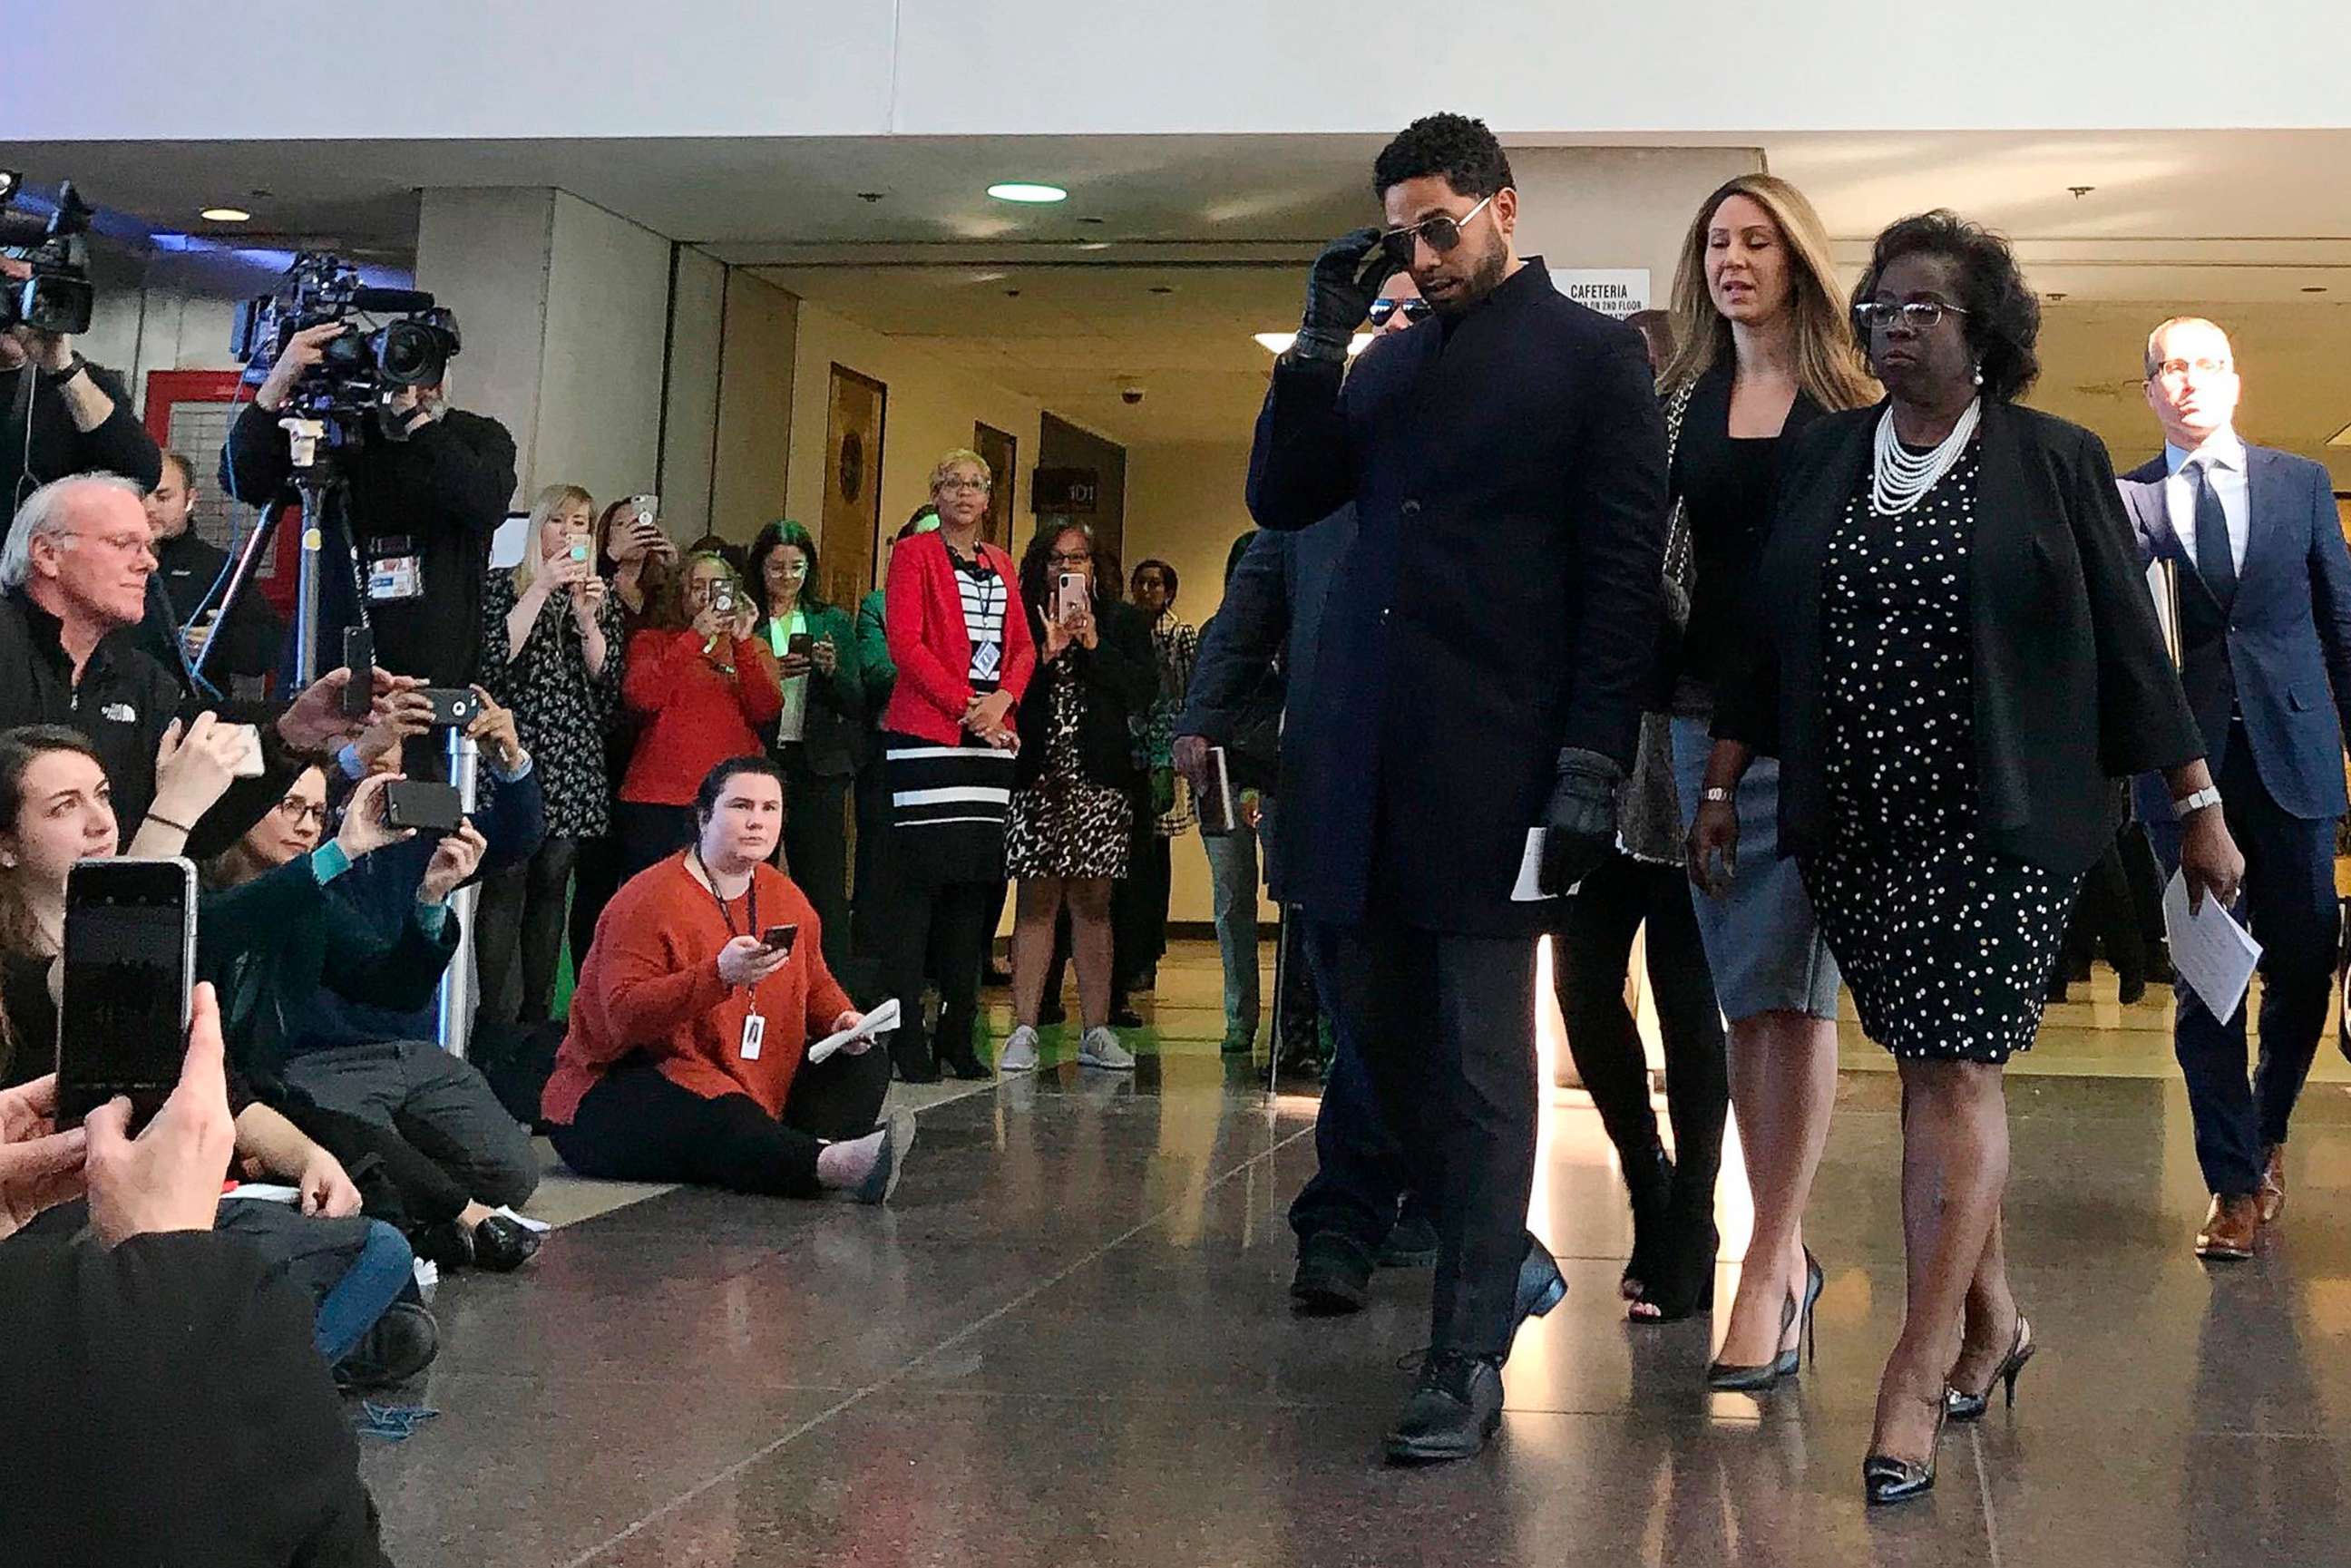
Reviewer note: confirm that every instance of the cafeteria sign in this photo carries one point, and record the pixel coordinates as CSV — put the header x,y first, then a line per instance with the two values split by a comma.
x,y
1614,291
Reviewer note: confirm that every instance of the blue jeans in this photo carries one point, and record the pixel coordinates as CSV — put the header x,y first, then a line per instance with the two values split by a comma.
x,y
1233,873
384,1268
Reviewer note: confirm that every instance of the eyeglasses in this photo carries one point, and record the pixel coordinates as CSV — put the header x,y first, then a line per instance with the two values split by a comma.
x,y
1415,310
1442,232
976,486
123,543
296,809
1916,315
1071,557
778,567
2177,370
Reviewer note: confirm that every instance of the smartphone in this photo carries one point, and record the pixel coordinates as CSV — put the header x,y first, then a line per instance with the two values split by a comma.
x,y
647,507
579,548
1217,817
422,804
359,658
779,939
250,764
722,598
1071,596
129,966
454,707
800,646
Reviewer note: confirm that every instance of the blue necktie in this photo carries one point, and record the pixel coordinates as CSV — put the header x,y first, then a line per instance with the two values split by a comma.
x,y
2216,561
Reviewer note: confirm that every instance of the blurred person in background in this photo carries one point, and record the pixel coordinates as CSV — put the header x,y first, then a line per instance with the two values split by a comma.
x,y
182,598
1141,899
879,676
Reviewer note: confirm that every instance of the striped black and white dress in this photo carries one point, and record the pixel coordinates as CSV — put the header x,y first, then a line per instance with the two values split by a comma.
x,y
948,802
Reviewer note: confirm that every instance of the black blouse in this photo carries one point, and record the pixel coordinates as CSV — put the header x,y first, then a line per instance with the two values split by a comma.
x,y
1725,485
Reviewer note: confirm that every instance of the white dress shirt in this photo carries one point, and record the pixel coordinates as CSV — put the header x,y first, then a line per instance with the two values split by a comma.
x,y
2222,456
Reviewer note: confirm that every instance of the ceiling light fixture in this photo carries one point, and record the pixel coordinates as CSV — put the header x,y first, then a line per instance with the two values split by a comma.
x,y
225,215
1027,190
1279,343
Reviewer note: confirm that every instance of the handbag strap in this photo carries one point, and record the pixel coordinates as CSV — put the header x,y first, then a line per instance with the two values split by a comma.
x,y
1678,539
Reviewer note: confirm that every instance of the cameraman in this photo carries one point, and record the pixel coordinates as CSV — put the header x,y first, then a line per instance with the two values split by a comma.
x,y
428,485
80,421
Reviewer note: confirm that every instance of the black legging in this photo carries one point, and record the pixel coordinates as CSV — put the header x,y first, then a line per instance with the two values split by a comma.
x,y
636,1125
943,928
815,850
1589,958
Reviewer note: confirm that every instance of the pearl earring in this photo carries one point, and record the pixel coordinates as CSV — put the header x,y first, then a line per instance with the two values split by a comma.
x,y
1979,375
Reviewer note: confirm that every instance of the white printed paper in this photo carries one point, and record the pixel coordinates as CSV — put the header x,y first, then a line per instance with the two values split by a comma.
x,y
1528,889
2212,953
881,1020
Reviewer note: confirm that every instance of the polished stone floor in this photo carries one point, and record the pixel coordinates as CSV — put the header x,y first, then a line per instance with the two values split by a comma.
x,y
1067,1343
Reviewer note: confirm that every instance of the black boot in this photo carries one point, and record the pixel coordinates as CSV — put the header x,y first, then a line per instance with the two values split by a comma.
x,y
1680,1280
1335,1275
1649,1179
1456,1405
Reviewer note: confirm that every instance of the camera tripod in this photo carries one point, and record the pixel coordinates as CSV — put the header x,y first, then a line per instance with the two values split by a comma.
x,y
314,481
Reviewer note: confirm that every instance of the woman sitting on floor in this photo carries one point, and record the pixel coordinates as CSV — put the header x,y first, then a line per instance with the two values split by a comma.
x,y
685,1057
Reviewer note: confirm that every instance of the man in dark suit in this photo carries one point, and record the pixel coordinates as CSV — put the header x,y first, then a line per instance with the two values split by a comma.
x,y
1484,645
2251,540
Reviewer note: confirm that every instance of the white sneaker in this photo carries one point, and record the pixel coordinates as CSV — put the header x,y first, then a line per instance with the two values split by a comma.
x,y
1100,1049
1019,1052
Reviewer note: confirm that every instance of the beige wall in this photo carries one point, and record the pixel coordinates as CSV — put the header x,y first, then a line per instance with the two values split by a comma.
x,y
932,406
1185,504
599,379
689,434
752,454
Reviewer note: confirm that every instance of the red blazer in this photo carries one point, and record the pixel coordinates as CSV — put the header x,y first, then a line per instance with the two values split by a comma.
x,y
924,618
697,715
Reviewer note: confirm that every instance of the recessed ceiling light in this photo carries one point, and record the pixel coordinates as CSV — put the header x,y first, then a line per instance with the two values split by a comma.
x,y
225,215
1279,343
1024,191
1094,245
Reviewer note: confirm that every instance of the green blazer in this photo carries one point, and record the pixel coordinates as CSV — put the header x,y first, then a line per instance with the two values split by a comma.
x,y
836,706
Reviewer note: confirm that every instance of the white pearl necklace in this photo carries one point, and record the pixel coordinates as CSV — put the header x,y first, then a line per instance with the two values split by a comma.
x,y
1898,478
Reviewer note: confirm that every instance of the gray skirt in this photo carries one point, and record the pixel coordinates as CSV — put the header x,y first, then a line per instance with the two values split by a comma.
x,y
1762,939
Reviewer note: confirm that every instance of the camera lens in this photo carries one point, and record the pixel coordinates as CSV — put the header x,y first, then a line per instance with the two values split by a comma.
x,y
410,353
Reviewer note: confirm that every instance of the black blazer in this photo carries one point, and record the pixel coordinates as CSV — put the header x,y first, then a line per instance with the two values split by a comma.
x,y
1119,678
1500,598
2073,684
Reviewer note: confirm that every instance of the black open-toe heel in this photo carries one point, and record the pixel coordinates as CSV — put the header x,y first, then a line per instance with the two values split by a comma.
x,y
1961,1406
1681,1281
1650,1182
1886,1479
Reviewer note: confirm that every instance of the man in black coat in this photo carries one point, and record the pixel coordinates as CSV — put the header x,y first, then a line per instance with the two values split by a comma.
x,y
72,418
428,485
183,606
1484,647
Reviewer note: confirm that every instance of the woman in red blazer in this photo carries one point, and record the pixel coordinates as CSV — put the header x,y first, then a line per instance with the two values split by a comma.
x,y
959,636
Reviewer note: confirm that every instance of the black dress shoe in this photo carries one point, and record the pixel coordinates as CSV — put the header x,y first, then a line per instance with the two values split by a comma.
x,y
1412,1244
503,1245
966,1064
1333,1276
395,1348
1456,1405
1542,1286
446,1244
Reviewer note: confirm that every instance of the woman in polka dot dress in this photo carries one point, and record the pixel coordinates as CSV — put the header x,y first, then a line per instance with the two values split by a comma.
x,y
1956,651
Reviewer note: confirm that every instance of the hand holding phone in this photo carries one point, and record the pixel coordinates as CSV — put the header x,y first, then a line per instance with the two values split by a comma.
x,y
359,658
130,968
781,938
169,1177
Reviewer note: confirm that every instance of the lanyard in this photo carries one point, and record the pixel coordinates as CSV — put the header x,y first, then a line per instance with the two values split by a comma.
x,y
724,913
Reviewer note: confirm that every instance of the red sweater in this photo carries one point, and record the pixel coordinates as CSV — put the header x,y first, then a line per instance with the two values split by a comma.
x,y
924,618
699,714
651,983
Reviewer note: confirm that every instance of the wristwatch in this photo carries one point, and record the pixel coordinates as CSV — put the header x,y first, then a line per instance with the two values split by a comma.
x,y
2187,805
59,378
1717,796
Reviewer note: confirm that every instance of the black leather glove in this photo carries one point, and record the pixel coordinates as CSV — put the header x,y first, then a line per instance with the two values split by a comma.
x,y
1579,822
1339,294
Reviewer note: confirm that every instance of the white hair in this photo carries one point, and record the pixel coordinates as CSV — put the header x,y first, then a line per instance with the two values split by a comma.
x,y
44,512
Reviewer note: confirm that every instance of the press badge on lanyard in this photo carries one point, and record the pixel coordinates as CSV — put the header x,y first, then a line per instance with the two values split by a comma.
x,y
755,1030
395,571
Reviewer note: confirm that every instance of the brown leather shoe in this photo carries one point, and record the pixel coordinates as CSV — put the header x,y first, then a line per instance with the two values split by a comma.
x,y
2271,1195
2229,1229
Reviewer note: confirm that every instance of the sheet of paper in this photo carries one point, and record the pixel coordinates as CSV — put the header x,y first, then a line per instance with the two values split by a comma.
x,y
1528,889
881,1020
264,1192
2212,953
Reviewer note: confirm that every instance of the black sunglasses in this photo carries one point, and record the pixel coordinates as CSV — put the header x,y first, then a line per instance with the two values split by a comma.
x,y
1442,232
1415,310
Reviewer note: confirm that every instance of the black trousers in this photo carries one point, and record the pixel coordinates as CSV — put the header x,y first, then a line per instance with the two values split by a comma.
x,y
518,929
869,906
637,1125
1361,1175
2289,904
816,851
1447,1029
1593,945
2105,909
595,878
650,834
399,1183
1138,908
942,928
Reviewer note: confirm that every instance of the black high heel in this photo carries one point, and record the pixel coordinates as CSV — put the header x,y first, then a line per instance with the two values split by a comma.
x,y
1886,1479
1961,1405
1797,1314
